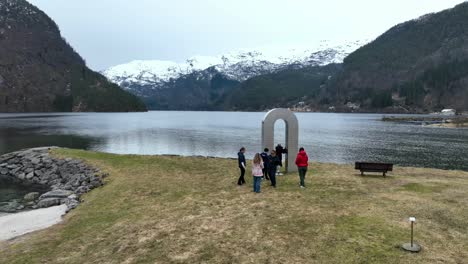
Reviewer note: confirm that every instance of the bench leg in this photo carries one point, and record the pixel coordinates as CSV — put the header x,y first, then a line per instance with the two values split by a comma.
x,y
385,174
362,173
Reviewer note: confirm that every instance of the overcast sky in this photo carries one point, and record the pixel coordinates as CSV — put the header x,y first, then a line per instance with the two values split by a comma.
x,y
110,32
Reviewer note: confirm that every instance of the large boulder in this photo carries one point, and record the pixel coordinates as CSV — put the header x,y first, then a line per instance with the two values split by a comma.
x,y
61,194
48,202
31,196
82,190
71,203
30,175
11,207
22,176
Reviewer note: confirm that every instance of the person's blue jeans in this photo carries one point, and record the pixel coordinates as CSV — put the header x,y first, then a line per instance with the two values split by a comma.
x,y
257,183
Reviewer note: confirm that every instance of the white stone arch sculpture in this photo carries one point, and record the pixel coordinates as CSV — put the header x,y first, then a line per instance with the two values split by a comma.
x,y
292,134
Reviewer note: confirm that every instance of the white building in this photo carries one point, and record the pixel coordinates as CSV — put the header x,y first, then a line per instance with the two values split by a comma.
x,y
449,112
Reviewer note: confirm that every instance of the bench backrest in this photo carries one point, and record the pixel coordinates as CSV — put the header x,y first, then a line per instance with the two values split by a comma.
x,y
374,166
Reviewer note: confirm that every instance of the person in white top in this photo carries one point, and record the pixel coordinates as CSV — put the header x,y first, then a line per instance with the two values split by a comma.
x,y
257,172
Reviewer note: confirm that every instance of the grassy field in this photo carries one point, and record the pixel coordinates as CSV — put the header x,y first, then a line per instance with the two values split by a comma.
x,y
160,209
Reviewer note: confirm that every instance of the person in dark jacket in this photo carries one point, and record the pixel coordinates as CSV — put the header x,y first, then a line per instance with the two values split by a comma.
x,y
273,161
279,153
242,165
264,156
302,162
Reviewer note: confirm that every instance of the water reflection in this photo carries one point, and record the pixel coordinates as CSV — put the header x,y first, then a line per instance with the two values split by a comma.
x,y
12,139
339,138
10,190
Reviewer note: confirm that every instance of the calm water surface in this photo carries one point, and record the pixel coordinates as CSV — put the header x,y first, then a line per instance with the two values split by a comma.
x,y
337,138
10,191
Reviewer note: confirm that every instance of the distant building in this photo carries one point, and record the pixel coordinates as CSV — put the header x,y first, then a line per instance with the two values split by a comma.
x,y
449,112
353,106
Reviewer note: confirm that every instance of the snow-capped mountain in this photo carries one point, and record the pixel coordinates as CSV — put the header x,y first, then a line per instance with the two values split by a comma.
x,y
141,76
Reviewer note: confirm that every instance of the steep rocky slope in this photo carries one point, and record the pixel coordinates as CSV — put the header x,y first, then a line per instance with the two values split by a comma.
x,y
40,71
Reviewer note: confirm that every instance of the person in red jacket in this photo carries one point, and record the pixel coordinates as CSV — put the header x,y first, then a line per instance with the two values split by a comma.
x,y
302,162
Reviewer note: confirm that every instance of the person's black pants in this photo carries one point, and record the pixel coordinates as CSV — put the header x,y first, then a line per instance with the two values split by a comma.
x,y
242,174
265,174
272,172
302,174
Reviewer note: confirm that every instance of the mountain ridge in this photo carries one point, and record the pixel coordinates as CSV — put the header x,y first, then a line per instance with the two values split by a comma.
x,y
201,82
418,66
325,53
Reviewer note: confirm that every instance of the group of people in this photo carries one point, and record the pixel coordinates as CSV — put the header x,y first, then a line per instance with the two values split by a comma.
x,y
265,166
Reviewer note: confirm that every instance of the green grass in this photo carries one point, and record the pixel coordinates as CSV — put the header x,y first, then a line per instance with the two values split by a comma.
x,y
424,188
161,209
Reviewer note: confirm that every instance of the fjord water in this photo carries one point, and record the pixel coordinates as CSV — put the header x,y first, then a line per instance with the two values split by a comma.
x,y
336,138
10,191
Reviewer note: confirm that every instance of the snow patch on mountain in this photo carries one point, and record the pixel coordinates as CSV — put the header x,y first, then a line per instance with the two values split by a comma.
x,y
150,71
239,65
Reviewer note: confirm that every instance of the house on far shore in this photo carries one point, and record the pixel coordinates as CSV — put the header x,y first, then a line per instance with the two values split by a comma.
x,y
449,112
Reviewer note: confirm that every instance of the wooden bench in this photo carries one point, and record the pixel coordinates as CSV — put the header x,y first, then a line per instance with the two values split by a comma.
x,y
374,167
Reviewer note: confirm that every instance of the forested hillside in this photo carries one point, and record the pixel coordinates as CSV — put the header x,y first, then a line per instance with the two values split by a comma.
x,y
286,88
422,64
40,71
202,90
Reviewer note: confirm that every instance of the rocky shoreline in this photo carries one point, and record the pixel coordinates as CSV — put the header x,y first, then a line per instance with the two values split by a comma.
x,y
66,179
435,121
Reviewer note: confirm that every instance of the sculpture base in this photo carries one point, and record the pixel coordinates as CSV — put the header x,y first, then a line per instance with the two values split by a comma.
x,y
415,248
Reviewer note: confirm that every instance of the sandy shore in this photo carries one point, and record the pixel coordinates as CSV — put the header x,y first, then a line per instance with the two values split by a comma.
x,y
13,225
450,125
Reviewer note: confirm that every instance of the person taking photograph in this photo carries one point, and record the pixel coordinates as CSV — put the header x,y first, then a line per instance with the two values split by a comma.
x,y
264,156
273,162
